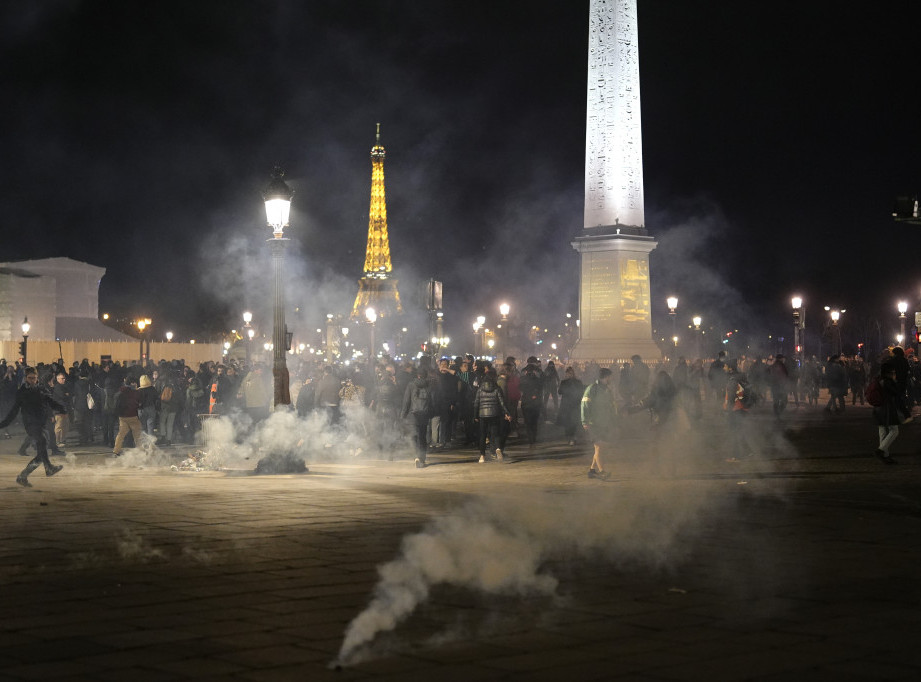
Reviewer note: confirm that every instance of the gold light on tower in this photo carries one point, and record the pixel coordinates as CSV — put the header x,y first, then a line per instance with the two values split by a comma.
x,y
377,288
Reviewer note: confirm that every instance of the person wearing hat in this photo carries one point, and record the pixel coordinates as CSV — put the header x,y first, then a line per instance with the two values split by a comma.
x,y
599,419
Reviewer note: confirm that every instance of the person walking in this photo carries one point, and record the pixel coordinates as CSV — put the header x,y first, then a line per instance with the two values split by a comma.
x,y
126,409
418,404
892,412
32,402
488,407
599,419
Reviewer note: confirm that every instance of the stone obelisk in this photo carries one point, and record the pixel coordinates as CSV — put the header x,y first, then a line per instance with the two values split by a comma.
x,y
614,304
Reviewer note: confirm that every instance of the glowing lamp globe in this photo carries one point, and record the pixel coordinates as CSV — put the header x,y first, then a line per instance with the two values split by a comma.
x,y
277,203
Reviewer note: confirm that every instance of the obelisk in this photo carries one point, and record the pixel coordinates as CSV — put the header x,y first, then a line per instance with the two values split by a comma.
x,y
614,303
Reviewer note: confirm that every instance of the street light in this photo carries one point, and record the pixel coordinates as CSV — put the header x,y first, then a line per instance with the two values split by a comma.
x,y
836,330
903,308
142,325
672,303
25,341
371,315
169,337
798,323
697,320
477,349
277,211
481,321
250,332
504,309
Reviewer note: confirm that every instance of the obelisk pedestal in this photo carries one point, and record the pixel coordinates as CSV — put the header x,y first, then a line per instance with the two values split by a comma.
x,y
614,302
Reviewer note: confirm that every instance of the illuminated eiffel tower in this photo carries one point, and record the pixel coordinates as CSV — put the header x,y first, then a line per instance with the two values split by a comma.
x,y
377,289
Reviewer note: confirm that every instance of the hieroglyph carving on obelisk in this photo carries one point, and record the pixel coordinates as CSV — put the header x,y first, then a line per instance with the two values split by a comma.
x,y
613,140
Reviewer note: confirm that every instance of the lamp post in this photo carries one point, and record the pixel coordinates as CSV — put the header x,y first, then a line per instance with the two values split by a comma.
x,y
504,309
248,330
481,321
903,308
672,303
142,326
25,341
797,303
371,315
277,211
835,315
477,349
697,320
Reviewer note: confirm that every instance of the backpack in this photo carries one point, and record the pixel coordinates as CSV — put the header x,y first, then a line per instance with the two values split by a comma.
x,y
874,393
167,394
421,401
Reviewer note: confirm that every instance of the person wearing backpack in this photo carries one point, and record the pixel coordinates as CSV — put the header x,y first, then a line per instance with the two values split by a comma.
x,y
418,406
891,412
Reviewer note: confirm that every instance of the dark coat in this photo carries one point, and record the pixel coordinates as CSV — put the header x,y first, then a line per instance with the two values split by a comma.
x,y
893,411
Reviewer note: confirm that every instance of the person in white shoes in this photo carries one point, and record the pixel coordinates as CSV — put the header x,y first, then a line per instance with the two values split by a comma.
x,y
488,408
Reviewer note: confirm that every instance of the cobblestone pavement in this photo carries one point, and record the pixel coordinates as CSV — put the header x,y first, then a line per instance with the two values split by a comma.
x,y
799,562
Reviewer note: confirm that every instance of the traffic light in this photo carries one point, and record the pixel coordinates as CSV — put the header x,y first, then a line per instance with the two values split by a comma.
x,y
22,349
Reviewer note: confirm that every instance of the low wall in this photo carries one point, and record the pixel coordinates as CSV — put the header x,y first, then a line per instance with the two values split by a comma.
x,y
120,351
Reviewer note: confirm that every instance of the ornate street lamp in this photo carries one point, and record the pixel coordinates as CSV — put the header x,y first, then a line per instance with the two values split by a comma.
x,y
142,326
672,303
798,324
250,332
277,210
903,308
504,309
25,341
697,320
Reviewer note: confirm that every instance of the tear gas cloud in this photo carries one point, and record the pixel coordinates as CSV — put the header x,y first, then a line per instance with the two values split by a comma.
x,y
502,545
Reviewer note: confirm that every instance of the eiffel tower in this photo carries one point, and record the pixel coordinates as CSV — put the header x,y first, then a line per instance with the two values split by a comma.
x,y
377,288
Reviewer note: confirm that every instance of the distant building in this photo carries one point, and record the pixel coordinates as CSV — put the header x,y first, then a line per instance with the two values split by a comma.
x,y
60,296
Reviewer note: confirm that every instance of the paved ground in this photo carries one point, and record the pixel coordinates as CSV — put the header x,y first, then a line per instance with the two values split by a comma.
x,y
800,562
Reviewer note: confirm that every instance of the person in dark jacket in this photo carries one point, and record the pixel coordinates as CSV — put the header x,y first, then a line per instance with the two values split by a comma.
x,y
488,407
126,408
532,402
33,404
891,413
419,406
571,391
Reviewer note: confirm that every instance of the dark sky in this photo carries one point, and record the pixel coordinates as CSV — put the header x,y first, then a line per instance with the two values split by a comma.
x,y
139,136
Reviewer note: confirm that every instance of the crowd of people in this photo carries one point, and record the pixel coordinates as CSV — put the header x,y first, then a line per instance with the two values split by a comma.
x,y
461,402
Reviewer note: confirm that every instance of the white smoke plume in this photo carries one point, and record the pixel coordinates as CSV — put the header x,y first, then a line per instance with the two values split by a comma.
x,y
501,547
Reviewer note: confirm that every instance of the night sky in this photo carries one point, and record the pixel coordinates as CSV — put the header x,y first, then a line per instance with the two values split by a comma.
x,y
139,137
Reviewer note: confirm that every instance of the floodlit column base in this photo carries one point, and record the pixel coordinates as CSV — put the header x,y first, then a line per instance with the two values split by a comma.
x,y
614,300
